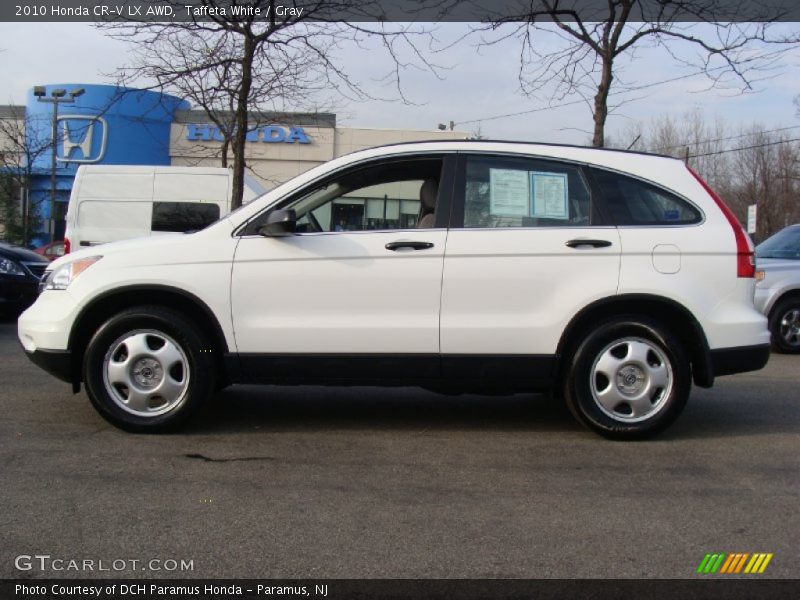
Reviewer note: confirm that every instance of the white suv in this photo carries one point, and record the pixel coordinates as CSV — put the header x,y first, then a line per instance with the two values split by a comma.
x,y
613,278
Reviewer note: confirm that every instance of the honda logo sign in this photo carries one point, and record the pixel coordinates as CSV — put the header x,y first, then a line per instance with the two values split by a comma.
x,y
82,138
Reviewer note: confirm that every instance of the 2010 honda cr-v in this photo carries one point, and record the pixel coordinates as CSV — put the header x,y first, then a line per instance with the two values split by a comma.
x,y
614,278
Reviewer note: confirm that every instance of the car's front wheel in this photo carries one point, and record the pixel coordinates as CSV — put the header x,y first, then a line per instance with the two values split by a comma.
x,y
628,379
784,324
148,369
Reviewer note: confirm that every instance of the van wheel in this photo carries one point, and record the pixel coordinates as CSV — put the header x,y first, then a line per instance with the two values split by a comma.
x,y
628,379
148,369
784,324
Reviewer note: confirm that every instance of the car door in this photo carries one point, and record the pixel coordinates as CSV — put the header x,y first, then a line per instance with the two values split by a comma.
x,y
356,292
526,251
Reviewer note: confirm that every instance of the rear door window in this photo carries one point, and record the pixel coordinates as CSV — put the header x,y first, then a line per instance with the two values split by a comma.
x,y
505,191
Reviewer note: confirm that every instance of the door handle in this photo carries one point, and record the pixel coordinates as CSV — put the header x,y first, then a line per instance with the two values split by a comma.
x,y
410,245
592,243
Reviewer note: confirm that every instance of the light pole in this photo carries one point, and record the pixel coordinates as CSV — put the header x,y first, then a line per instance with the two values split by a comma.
x,y
57,96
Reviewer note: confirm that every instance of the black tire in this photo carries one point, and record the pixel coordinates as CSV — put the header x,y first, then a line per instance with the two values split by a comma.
x,y
783,340
194,372
659,404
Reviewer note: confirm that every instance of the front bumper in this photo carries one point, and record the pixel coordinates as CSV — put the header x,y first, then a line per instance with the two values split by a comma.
x,y
43,331
46,325
727,361
56,362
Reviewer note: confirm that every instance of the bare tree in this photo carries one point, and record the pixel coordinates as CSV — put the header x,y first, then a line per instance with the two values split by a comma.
x,y
590,40
22,142
746,166
243,68
767,172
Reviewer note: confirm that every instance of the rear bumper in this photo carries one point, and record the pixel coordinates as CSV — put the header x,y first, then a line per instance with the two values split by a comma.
x,y
727,361
56,362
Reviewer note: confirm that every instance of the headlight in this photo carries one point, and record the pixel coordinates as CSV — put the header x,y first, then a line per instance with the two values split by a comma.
x,y
60,278
9,267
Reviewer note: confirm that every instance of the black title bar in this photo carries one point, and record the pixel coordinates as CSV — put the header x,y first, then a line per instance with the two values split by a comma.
x,y
398,589
165,11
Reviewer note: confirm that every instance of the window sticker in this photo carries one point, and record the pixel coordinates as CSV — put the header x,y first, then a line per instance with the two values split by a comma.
x,y
508,192
549,195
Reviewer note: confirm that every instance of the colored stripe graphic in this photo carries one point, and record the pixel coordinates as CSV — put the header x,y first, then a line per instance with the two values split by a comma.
x,y
703,563
740,564
728,563
734,563
754,563
764,564
719,562
716,564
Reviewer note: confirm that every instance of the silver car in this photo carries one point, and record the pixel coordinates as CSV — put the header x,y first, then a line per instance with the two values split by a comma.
x,y
778,287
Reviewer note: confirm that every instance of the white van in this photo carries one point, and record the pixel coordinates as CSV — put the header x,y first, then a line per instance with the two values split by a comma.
x,y
118,202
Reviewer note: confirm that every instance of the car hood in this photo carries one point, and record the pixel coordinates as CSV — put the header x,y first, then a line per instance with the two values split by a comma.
x,y
777,264
115,247
20,254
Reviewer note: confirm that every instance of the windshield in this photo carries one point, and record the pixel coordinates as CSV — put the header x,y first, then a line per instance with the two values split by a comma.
x,y
784,244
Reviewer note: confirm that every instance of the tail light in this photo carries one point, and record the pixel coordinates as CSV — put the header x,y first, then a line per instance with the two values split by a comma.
x,y
67,246
745,253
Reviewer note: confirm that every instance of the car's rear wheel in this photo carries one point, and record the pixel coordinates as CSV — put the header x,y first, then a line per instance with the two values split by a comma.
x,y
784,324
628,379
148,369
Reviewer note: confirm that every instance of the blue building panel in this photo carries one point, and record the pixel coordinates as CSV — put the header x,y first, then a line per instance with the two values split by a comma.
x,y
106,125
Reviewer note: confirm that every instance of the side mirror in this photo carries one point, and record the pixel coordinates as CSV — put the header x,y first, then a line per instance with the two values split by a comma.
x,y
280,223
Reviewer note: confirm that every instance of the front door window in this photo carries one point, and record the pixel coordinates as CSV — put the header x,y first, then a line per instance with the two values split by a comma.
x,y
400,194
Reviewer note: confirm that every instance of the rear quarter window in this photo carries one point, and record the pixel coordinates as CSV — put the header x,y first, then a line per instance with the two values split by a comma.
x,y
630,201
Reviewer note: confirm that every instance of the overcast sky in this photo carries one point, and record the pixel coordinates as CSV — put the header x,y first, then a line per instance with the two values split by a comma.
x,y
479,84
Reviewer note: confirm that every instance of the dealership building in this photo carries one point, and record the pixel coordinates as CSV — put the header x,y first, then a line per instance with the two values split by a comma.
x,y
109,125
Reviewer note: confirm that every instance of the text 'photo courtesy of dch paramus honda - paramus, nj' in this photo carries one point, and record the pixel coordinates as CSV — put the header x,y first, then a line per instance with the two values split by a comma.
x,y
613,279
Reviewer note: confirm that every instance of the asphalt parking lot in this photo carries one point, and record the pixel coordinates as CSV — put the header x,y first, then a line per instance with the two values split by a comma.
x,y
350,483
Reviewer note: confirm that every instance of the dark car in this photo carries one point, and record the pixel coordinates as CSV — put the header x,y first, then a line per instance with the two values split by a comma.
x,y
20,271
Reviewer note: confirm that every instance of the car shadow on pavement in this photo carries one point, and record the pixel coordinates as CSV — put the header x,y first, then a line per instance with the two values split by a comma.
x,y
742,410
255,408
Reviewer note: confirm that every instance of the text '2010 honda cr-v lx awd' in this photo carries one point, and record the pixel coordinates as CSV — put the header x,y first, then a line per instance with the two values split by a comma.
x,y
614,279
